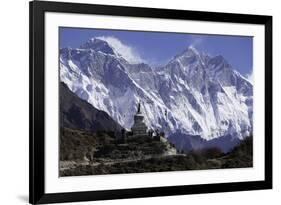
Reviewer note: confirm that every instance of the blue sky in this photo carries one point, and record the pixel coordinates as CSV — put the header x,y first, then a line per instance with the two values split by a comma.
x,y
157,48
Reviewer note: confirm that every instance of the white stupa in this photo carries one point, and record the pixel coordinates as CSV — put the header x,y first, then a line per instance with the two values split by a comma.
x,y
139,128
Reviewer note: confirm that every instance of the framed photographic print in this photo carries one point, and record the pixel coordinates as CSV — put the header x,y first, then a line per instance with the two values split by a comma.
x,y
140,102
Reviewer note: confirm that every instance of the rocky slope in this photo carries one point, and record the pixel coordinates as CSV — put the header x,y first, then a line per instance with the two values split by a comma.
x,y
78,114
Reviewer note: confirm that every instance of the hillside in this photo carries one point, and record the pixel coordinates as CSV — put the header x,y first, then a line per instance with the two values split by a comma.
x,y
78,114
98,154
80,148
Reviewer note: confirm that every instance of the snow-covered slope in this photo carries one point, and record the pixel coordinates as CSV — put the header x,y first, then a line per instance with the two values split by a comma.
x,y
194,94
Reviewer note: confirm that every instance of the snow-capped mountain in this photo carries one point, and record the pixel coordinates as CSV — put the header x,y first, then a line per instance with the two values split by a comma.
x,y
194,94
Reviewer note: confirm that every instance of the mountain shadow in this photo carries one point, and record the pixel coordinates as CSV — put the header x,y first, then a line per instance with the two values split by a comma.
x,y
185,142
76,113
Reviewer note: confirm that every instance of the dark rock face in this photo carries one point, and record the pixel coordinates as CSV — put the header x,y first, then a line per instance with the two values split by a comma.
x,y
76,113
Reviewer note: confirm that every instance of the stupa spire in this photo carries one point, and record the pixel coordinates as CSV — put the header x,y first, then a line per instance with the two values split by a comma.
x,y
139,106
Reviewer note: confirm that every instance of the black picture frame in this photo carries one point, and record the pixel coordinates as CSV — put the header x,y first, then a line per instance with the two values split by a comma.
x,y
37,9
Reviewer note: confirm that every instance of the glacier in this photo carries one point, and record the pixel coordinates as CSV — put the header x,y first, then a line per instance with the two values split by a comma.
x,y
194,94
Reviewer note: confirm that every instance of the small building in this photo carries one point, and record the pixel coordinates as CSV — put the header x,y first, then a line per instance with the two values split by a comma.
x,y
139,128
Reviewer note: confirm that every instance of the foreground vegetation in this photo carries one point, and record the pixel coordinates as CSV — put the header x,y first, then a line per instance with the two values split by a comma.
x,y
83,153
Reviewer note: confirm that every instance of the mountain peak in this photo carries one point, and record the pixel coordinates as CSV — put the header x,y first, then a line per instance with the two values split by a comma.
x,y
191,48
97,44
218,60
190,51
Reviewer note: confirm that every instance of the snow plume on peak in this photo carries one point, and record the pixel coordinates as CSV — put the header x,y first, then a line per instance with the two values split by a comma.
x,y
127,52
250,77
196,40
